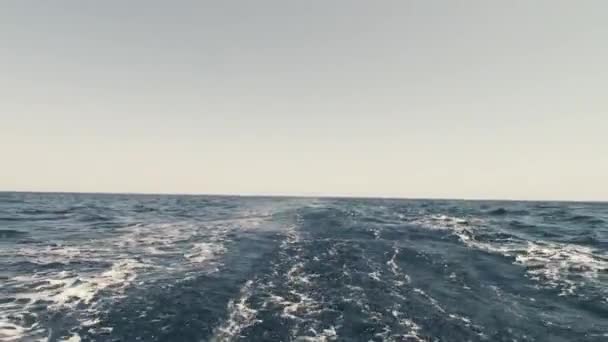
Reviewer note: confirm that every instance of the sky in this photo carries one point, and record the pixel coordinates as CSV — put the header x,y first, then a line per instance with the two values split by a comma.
x,y
448,99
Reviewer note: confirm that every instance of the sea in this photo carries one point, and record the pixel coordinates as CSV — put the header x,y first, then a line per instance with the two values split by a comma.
x,y
113,267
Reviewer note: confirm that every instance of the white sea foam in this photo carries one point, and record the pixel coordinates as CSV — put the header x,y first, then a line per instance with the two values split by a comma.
x,y
552,264
460,318
73,338
240,316
432,300
565,265
375,275
68,289
76,290
409,325
62,291
203,251
54,254
391,263
300,306
328,334
401,277
461,227
412,330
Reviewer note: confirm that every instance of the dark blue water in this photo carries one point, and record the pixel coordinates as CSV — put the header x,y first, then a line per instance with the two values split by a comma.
x,y
78,267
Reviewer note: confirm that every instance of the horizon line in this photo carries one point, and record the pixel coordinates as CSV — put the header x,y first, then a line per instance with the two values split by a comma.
x,y
311,196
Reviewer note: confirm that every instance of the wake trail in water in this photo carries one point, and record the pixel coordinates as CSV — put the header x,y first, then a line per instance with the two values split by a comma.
x,y
201,268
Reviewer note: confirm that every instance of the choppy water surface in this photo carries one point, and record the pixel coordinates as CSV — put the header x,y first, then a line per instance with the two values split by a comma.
x,y
197,268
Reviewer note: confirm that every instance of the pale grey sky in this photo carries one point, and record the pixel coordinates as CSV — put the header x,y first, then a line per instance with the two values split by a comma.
x,y
459,99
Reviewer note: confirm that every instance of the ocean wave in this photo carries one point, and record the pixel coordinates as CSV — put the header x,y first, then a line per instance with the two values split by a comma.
x,y
11,234
13,218
587,219
552,264
139,208
204,251
73,294
240,316
9,331
561,265
498,212
80,280
504,212
224,269
93,218
37,211
463,228
589,239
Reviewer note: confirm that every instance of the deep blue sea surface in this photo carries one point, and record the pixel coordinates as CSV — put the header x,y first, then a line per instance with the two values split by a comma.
x,y
89,267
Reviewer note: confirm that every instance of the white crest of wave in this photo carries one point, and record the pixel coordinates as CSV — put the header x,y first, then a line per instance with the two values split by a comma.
x,y
240,316
552,264
77,290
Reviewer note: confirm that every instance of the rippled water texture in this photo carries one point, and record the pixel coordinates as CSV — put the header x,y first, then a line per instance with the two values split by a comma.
x,y
196,268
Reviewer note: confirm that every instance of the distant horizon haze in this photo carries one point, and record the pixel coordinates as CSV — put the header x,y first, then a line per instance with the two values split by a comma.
x,y
303,195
